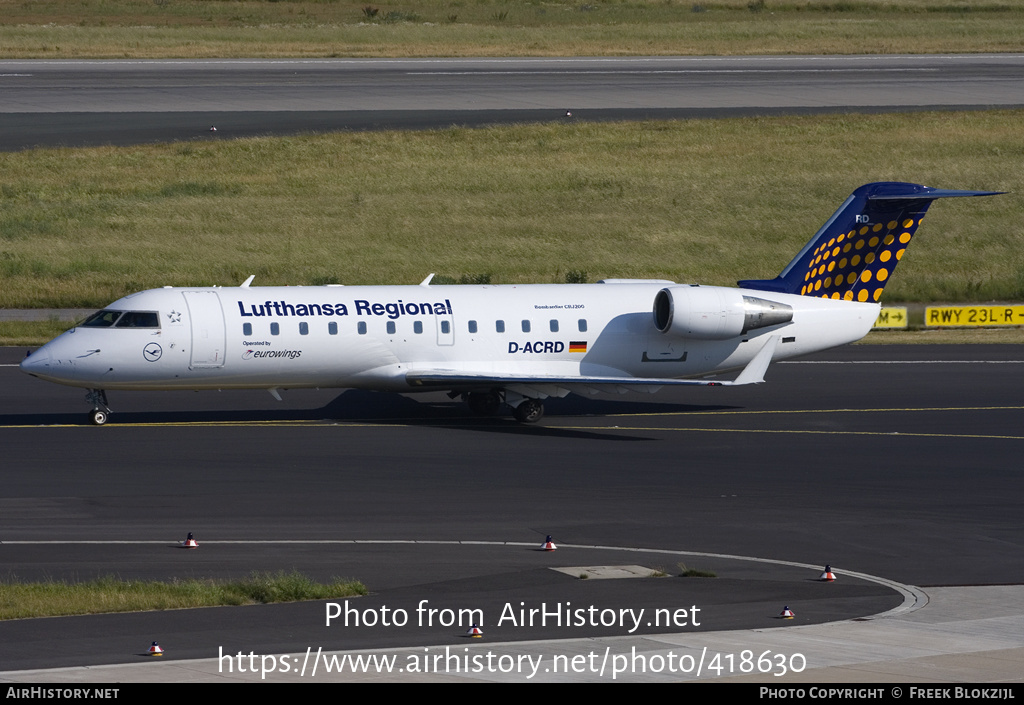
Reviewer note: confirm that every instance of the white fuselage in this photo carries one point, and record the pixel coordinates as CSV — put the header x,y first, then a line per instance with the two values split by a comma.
x,y
372,337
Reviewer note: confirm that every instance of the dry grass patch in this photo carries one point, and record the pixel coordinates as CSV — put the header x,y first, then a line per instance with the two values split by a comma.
x,y
315,28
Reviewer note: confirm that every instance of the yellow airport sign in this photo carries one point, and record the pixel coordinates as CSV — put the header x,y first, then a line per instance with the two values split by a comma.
x,y
973,316
892,317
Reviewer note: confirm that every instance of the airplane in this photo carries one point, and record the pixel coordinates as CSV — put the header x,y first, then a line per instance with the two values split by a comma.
x,y
513,345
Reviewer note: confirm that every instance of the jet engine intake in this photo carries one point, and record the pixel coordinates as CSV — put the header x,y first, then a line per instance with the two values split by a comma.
x,y
713,313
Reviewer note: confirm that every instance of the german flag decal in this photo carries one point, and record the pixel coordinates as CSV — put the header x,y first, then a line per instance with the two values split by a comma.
x,y
577,346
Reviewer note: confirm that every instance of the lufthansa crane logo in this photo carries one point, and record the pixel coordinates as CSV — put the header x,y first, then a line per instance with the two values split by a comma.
x,y
152,352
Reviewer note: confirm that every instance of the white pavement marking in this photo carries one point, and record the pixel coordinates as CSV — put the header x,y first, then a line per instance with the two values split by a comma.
x,y
913,598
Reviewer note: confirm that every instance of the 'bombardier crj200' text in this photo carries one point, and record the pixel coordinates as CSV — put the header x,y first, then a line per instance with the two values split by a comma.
x,y
495,345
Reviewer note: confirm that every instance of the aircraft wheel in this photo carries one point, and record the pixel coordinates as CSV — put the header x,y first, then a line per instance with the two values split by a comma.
x,y
530,411
484,403
98,417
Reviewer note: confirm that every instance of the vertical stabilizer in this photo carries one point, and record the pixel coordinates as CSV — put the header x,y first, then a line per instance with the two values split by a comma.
x,y
855,252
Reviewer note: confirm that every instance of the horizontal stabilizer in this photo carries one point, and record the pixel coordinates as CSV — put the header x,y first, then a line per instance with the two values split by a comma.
x,y
932,193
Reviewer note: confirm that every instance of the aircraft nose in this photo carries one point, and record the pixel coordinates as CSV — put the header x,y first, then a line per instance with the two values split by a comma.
x,y
37,362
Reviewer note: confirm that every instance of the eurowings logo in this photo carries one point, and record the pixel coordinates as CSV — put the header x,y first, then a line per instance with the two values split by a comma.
x,y
290,354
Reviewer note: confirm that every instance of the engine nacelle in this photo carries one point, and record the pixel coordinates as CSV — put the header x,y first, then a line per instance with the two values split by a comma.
x,y
714,313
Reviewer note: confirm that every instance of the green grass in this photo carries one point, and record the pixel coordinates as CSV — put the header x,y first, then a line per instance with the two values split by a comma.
x,y
110,594
708,201
697,573
31,333
326,28
946,336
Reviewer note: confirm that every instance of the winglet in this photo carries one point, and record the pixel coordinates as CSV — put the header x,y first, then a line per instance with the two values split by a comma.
x,y
753,373
426,282
247,282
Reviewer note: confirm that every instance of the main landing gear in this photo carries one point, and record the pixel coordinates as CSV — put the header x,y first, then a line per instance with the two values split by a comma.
x,y
489,403
100,411
485,403
529,411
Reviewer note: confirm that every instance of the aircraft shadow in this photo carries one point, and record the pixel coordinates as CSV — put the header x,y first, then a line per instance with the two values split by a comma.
x,y
385,408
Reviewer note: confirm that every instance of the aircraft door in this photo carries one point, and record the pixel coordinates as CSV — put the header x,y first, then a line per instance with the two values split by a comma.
x,y
208,332
445,329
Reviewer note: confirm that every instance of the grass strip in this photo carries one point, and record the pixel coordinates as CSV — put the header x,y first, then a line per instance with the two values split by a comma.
x,y
136,29
31,333
946,336
707,201
111,594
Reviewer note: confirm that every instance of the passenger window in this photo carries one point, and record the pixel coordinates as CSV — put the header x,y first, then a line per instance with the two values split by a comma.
x,y
499,326
417,327
526,326
247,329
361,327
391,327
445,327
332,327
583,325
275,328
554,326
303,328
472,326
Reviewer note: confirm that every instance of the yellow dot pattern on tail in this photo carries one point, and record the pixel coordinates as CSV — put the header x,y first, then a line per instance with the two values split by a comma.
x,y
855,265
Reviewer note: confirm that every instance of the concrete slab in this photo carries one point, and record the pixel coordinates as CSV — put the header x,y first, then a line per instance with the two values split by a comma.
x,y
609,572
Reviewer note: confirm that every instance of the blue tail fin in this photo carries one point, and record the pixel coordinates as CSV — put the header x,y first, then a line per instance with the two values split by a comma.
x,y
856,251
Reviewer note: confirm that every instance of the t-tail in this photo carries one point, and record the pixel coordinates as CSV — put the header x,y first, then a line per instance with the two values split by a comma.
x,y
855,252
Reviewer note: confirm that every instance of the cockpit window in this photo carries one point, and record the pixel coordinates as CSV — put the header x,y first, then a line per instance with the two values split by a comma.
x,y
139,319
122,319
101,319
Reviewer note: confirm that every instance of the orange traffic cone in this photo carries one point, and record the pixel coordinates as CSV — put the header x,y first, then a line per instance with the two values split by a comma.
x,y
786,613
827,576
475,632
548,544
155,650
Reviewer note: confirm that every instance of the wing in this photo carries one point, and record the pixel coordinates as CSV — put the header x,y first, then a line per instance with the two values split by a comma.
x,y
559,385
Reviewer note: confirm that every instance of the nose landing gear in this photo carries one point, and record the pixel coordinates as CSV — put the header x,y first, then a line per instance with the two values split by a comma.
x,y
100,411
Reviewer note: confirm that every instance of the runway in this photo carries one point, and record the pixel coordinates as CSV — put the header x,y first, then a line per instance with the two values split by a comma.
x,y
891,461
72,103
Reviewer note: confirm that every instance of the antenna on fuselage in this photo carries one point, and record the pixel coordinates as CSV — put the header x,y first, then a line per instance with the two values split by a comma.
x,y
247,282
426,282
